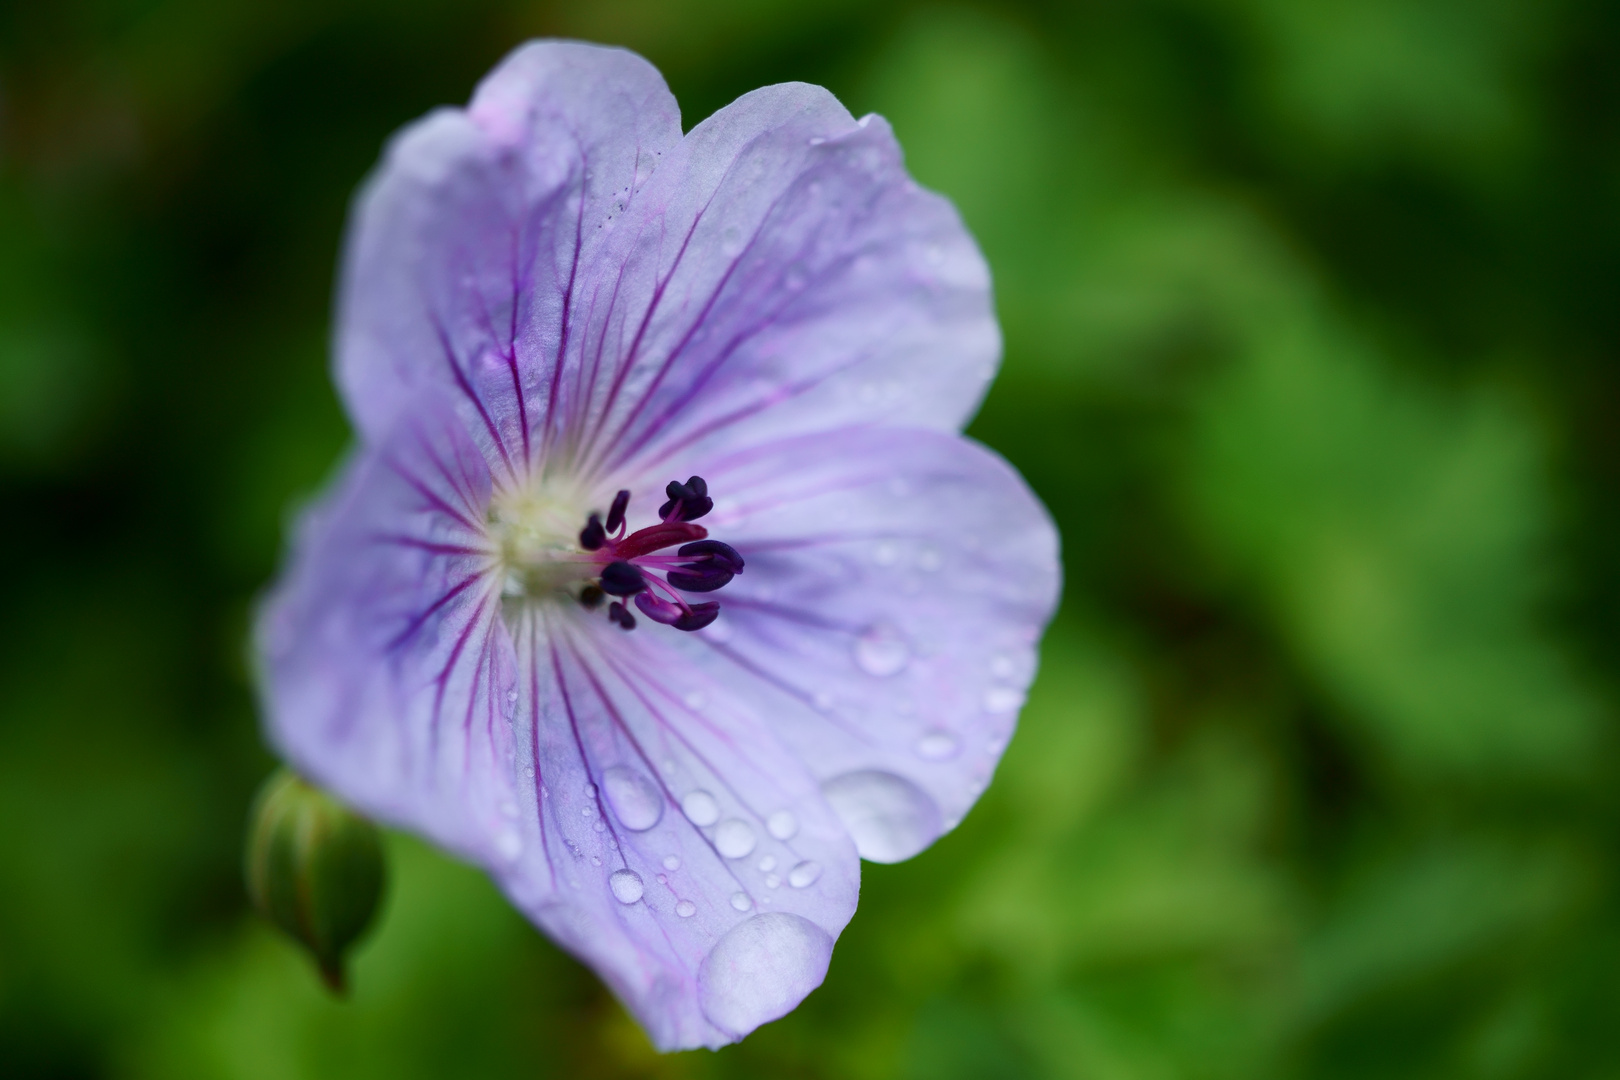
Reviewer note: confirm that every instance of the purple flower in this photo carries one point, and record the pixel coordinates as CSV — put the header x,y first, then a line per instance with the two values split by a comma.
x,y
661,583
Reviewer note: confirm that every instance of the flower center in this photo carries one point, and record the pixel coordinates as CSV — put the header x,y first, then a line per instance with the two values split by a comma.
x,y
543,556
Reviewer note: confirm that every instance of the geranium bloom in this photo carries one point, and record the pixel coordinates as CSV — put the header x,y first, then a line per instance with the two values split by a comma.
x,y
661,583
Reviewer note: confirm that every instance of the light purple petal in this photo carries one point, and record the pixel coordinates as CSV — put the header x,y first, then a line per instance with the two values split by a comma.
x,y
775,271
897,584
631,803
466,248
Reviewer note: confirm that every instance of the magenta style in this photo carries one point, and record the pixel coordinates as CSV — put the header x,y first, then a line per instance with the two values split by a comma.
x,y
660,582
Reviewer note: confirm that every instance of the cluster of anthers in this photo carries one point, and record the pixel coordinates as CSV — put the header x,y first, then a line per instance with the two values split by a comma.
x,y
630,566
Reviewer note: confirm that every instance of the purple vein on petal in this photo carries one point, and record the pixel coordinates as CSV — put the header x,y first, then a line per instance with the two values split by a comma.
x,y
467,390
533,654
442,680
432,498
567,304
579,744
423,616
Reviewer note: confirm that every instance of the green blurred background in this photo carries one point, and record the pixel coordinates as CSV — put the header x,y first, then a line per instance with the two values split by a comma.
x,y
1311,349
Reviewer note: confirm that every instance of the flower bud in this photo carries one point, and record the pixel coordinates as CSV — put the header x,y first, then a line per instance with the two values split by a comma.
x,y
314,868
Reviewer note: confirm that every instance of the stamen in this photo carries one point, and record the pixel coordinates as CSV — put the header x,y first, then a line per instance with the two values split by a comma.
x,y
590,597
615,518
688,501
592,536
622,579
618,614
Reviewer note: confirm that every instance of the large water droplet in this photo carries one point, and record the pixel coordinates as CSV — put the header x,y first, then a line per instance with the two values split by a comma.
x,y
626,886
686,909
700,808
782,825
761,969
805,874
636,800
889,818
734,838
1002,699
938,745
882,651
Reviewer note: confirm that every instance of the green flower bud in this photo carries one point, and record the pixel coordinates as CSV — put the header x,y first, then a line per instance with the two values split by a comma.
x,y
314,868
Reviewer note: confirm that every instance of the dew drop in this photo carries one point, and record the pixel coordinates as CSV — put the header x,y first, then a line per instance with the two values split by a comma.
x,y
782,825
772,881
599,827
817,140
662,880
700,808
635,800
740,901
938,745
686,909
805,874
528,770
734,838
885,554
881,651
596,860
761,969
509,844
1002,667
626,886
929,560
1003,699
587,812
767,864
672,863
509,808
889,818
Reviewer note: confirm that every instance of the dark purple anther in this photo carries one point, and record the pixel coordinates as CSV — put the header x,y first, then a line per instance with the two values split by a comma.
x,y
621,503
622,579
700,578
692,498
719,553
592,536
700,616
590,597
618,614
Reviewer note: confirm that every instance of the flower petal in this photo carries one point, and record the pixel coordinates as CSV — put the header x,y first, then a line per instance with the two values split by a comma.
x,y
466,246
898,582
622,796
386,667
669,839
801,281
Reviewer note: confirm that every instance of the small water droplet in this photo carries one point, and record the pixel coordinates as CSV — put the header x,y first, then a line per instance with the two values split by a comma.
x,y
734,838
635,800
686,909
938,745
740,901
672,863
587,812
1003,699
929,560
599,827
509,844
511,697
596,860
528,770
700,808
886,554
767,864
626,886
509,808
782,825
772,881
889,817
662,880
817,140
1002,667
805,874
882,651
694,700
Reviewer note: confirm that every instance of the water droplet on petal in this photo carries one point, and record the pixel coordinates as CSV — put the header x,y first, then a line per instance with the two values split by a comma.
x,y
938,745
885,554
672,863
1003,699
734,838
740,901
767,864
626,886
1002,667
700,808
805,874
509,808
528,770
636,801
772,881
761,969
929,560
882,651
596,860
509,844
686,909
782,825
889,818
